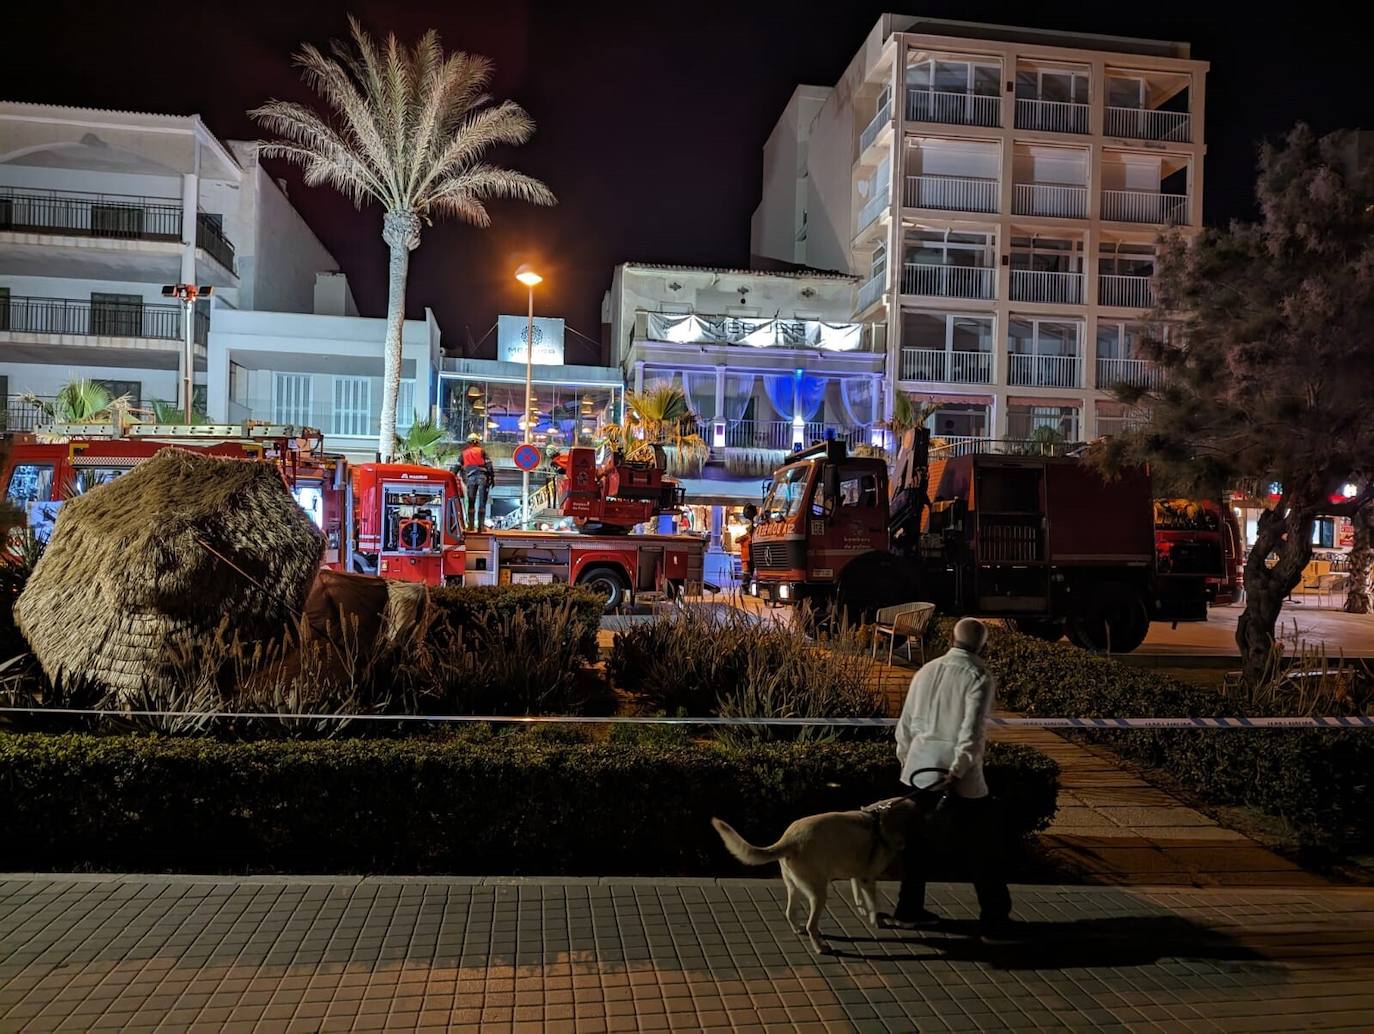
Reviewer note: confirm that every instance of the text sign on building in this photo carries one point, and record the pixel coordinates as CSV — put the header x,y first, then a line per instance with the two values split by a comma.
x,y
511,332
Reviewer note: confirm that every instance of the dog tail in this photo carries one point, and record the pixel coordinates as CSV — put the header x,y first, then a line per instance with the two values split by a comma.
x,y
745,851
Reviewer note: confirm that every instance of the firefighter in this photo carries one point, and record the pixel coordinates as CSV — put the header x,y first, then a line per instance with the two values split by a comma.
x,y
478,477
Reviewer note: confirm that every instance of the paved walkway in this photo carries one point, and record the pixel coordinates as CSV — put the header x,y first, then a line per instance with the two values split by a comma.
x,y
143,953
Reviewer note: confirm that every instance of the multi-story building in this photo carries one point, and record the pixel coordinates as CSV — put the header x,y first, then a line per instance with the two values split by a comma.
x,y
100,209
998,192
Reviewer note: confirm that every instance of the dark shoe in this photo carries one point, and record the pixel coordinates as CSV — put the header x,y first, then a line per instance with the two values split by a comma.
x,y
1002,931
925,919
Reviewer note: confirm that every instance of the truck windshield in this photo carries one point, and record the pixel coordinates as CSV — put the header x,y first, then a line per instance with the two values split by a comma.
x,y
785,494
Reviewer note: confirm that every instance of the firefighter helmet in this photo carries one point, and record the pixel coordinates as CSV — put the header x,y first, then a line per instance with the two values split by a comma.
x,y
474,438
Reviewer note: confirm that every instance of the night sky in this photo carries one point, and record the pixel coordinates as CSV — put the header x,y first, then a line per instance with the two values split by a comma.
x,y
651,117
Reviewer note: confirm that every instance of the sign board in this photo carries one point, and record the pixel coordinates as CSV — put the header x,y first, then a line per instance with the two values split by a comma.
x,y
511,332
526,457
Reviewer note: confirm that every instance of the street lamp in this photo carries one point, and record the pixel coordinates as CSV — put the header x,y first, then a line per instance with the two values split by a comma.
x,y
187,295
527,276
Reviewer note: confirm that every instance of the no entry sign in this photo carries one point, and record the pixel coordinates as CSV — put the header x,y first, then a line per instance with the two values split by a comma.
x,y
526,457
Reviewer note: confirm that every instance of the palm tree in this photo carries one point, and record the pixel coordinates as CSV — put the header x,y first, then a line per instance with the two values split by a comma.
x,y
408,130
661,415
425,444
82,402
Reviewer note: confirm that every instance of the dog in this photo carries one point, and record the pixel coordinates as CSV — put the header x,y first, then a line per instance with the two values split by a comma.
x,y
835,845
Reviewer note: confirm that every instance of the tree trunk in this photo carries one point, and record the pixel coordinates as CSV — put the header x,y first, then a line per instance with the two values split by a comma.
x,y
1288,537
401,231
1357,599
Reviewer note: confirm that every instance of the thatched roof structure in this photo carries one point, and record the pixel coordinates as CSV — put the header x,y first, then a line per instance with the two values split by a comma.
x,y
140,573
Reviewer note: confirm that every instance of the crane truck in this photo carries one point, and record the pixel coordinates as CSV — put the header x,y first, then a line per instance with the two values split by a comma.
x,y
1047,542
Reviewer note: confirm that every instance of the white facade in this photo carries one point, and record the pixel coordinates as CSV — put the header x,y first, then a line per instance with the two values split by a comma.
x,y
318,370
767,359
998,193
98,210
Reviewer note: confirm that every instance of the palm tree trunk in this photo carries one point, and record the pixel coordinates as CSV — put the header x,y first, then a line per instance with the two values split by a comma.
x,y
401,231
1357,599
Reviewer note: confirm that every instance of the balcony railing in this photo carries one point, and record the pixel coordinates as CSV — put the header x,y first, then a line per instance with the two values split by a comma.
x,y
951,193
948,367
1051,116
21,415
871,131
818,431
1043,371
959,109
920,278
71,213
705,329
1143,124
85,318
758,434
210,238
871,291
1135,373
876,206
1127,292
1042,285
1110,425
1142,206
1049,199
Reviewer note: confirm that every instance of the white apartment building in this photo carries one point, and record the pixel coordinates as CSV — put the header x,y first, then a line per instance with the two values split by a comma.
x,y
998,192
99,209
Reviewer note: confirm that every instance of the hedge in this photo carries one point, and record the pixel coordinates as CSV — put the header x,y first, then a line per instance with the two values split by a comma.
x,y
494,804
465,606
1320,781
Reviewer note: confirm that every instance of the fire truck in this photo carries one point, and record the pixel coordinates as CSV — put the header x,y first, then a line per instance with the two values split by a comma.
x,y
399,521
1044,541
606,495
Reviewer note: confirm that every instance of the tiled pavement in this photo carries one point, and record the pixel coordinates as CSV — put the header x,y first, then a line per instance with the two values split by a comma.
x,y
139,953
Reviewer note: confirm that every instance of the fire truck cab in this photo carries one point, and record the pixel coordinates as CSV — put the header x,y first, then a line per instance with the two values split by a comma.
x,y
408,523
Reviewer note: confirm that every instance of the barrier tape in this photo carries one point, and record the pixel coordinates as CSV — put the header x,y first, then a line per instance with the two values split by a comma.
x,y
1285,722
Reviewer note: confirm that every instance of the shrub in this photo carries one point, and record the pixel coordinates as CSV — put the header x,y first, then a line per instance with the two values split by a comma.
x,y
706,661
457,607
753,463
479,803
1318,780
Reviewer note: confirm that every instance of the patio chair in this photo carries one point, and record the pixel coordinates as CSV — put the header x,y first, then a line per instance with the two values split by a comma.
x,y
1324,585
905,619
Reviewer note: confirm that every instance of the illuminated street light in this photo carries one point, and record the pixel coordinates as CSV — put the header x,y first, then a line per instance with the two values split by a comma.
x,y
527,276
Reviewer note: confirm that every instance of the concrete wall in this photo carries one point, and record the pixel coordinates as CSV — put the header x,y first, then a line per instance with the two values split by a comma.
x,y
46,379
780,219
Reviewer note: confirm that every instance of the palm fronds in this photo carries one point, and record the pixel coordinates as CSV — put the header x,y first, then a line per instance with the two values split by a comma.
x,y
424,443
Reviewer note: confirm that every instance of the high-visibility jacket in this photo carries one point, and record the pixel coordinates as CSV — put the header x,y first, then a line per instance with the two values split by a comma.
x,y
474,456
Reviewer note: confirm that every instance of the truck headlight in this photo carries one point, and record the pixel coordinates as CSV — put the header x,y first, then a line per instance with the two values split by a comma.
x,y
784,592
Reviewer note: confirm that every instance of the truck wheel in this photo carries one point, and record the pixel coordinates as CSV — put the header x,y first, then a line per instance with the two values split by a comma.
x,y
872,581
1115,619
1049,629
609,582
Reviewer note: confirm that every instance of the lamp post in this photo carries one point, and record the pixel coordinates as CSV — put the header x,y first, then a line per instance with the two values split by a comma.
x,y
527,276
187,295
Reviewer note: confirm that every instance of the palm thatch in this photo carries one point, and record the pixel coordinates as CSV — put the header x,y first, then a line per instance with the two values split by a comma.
x,y
141,571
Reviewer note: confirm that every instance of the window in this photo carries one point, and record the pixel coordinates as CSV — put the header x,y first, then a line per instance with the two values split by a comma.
x,y
1034,422
4,308
291,399
109,220
1043,337
30,483
877,265
982,80
1047,254
1126,260
117,389
959,420
353,406
88,478
785,496
1125,92
1059,85
859,490
1120,340
947,333
950,248
405,406
116,315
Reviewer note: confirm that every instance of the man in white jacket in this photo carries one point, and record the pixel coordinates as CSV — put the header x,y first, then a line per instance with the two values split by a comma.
x,y
944,726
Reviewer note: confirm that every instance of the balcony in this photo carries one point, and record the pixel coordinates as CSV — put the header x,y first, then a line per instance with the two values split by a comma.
x,y
1143,206
951,193
1050,199
210,239
758,434
818,431
73,214
948,281
1134,373
946,367
956,109
870,292
1040,285
20,414
704,329
83,318
871,131
1051,116
1043,371
1143,124
1126,292
876,206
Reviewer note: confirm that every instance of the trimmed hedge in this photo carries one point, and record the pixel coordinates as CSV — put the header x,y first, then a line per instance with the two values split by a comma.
x,y
480,804
467,606
1319,781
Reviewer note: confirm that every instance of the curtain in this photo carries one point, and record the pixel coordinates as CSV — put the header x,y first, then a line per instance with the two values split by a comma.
x,y
779,391
810,394
739,391
856,400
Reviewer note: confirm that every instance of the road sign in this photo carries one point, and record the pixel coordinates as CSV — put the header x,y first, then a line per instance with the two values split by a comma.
x,y
526,457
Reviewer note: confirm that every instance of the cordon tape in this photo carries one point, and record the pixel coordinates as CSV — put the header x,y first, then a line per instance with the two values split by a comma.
x,y
1283,722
